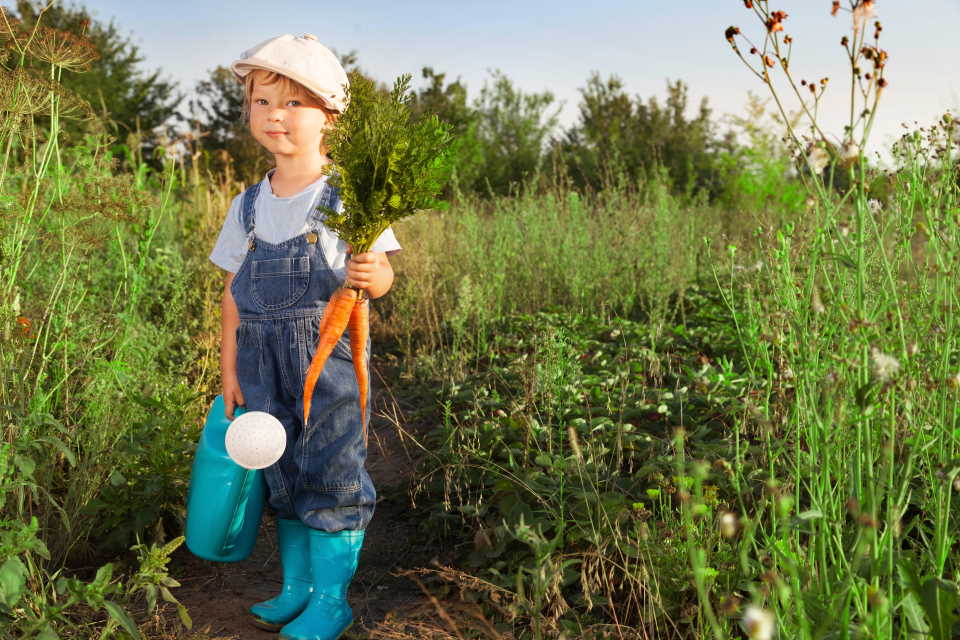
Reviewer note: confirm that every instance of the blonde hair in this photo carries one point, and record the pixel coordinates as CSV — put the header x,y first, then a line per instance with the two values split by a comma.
x,y
287,85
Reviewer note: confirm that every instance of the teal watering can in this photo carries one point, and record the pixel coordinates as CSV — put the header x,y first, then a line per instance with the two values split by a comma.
x,y
225,500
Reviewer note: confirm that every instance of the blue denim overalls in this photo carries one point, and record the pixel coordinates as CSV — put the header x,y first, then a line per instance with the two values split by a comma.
x,y
281,291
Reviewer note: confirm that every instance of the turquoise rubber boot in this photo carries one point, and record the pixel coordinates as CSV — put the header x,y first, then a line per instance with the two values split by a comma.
x,y
293,538
333,558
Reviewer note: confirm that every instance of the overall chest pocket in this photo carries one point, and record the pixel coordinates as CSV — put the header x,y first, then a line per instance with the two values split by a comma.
x,y
280,282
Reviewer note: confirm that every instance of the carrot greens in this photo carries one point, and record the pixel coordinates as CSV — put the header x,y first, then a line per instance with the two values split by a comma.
x,y
386,164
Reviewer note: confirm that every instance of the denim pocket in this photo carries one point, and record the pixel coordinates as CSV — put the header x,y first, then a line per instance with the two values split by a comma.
x,y
279,282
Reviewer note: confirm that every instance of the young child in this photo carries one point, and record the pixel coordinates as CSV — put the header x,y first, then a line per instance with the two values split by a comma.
x,y
282,266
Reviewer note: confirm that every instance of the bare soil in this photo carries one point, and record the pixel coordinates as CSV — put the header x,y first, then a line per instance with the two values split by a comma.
x,y
386,604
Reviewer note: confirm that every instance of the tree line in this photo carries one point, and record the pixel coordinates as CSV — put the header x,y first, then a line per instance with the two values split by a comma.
x,y
507,137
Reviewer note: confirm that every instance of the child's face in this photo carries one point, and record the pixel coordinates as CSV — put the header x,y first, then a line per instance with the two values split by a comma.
x,y
286,122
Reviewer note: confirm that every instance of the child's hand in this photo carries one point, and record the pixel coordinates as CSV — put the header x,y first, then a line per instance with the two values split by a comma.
x,y
370,271
232,396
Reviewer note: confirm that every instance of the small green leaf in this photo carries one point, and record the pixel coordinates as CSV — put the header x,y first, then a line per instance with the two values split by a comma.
x,y
13,575
184,617
48,634
122,618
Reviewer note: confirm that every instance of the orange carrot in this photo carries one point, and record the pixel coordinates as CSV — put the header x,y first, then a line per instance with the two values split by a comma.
x,y
359,328
333,322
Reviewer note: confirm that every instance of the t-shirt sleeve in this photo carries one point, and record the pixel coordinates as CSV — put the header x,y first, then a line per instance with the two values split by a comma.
x,y
231,247
386,243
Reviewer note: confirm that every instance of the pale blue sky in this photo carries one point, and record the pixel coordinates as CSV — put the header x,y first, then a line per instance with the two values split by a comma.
x,y
555,45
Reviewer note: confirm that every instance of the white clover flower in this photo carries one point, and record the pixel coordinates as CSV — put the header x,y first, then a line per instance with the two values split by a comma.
x,y
817,158
759,623
729,524
874,206
884,367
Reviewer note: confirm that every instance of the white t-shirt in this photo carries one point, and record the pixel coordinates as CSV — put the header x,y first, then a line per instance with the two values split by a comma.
x,y
279,219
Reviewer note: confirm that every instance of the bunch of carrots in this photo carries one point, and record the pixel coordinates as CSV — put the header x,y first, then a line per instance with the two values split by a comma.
x,y
387,167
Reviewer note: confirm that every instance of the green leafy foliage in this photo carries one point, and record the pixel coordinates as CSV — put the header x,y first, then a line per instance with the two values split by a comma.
x,y
554,460
387,166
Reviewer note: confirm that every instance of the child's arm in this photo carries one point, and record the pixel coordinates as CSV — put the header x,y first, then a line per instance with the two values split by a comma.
x,y
370,271
229,321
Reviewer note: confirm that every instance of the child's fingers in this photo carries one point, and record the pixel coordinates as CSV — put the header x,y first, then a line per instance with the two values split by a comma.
x,y
232,400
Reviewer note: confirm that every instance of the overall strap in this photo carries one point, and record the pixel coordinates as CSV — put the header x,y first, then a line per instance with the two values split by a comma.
x,y
329,198
247,213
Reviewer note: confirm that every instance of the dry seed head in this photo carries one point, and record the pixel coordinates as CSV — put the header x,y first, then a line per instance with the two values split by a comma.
x,y
62,49
817,158
731,32
25,93
884,367
835,7
849,151
767,60
748,4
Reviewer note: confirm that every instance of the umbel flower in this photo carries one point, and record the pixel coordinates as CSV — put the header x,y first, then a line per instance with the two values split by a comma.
x,y
62,49
23,93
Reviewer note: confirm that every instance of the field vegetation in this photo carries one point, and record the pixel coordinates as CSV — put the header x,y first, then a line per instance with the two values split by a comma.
x,y
712,395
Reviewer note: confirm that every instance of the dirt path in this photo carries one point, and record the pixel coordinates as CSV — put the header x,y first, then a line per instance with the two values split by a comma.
x,y
217,595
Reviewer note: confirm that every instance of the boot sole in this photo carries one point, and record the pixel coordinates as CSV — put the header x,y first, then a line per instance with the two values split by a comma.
x,y
260,623
345,629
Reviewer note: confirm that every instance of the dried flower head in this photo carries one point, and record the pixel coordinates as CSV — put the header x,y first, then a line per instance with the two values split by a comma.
x,y
731,32
62,49
775,22
759,623
817,158
835,7
849,152
884,367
